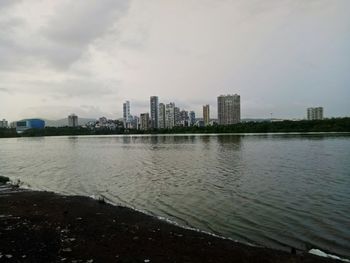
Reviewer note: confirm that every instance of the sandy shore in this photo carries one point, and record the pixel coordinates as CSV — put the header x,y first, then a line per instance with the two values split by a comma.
x,y
46,227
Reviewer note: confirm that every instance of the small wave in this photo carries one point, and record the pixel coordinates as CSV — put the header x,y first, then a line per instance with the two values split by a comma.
x,y
320,253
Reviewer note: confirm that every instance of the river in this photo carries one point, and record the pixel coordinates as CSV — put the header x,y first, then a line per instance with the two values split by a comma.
x,y
276,190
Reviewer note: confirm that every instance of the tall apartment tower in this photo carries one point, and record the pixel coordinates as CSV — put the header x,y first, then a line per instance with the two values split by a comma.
x,y
73,120
161,116
192,118
170,115
184,118
154,112
144,121
126,114
229,109
206,115
315,113
177,116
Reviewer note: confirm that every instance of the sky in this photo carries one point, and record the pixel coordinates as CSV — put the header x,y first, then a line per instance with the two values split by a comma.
x,y
88,56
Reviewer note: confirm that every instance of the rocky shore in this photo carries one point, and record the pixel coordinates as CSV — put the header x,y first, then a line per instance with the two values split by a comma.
x,y
47,227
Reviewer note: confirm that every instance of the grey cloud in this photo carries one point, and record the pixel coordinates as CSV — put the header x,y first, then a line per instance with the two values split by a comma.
x,y
7,3
80,22
4,90
75,87
76,25
63,40
60,111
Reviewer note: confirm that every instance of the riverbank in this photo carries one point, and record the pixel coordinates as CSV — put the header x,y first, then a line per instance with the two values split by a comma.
x,y
47,227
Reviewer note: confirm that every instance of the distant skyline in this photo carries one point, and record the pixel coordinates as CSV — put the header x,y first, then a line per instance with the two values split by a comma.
x,y
88,56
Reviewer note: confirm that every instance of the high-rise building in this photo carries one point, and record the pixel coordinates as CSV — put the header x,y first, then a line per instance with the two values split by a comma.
x,y
154,112
315,113
170,115
206,115
135,123
177,116
184,118
4,124
73,120
192,118
229,109
126,114
144,121
161,117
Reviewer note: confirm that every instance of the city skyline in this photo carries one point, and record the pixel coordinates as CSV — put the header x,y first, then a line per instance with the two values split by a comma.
x,y
88,57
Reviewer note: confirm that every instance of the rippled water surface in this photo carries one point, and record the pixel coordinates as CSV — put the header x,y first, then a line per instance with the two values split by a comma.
x,y
274,190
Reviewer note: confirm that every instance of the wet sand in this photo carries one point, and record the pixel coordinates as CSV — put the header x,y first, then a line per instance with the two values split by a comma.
x,y
47,227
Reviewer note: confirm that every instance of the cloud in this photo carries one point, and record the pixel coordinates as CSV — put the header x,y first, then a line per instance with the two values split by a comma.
x,y
275,54
4,90
76,25
61,38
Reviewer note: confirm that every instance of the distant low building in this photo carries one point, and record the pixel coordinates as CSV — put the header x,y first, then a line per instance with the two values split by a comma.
x,y
27,124
4,124
315,113
73,120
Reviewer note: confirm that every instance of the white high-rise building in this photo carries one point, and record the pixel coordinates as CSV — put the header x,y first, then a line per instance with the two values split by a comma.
x,y
170,115
73,120
177,116
154,112
126,114
315,113
229,109
161,117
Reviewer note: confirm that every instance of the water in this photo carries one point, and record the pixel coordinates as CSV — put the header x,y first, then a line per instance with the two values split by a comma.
x,y
273,190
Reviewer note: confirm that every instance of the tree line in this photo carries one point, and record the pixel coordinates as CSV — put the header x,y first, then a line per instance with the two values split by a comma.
x,y
328,125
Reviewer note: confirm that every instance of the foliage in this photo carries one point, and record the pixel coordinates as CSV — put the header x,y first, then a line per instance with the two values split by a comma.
x,y
328,125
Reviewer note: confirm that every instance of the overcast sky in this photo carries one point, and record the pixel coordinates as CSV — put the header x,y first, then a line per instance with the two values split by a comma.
x,y
89,56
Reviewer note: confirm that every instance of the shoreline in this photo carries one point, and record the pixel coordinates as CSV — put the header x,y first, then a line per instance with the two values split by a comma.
x,y
344,133
48,227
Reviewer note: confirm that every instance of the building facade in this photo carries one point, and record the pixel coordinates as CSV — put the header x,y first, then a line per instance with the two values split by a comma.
x,y
170,115
206,115
192,118
126,114
315,113
229,109
184,118
161,117
27,124
177,116
4,124
144,121
73,120
154,112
